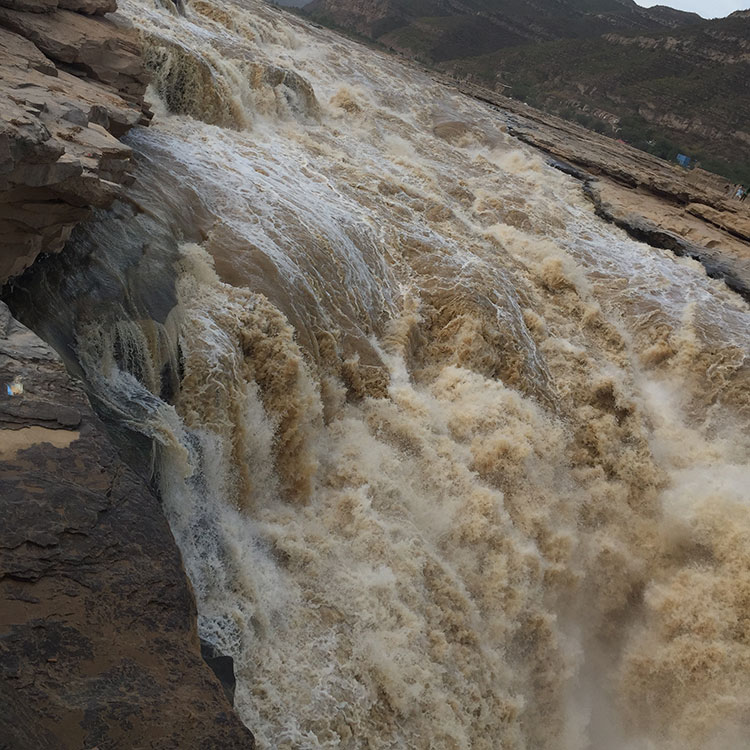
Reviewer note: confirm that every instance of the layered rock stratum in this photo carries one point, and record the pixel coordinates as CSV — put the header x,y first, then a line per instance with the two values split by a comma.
x,y
71,83
689,212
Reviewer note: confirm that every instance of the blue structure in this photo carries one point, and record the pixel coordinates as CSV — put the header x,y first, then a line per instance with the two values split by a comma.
x,y
683,160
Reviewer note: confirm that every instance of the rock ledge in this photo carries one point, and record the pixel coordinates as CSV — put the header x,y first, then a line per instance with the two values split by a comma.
x,y
71,83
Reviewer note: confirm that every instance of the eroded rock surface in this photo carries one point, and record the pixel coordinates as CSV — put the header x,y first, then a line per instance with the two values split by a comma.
x,y
689,212
71,83
98,644
694,230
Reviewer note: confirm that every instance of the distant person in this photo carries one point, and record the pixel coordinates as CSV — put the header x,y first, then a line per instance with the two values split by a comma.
x,y
744,194
739,194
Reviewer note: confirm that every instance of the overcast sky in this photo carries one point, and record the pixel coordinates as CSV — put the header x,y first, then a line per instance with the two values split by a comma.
x,y
707,8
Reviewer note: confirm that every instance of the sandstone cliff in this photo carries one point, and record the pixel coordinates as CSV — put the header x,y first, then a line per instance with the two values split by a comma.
x,y
71,83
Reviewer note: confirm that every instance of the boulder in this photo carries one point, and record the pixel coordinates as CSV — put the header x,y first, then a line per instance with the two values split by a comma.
x,y
222,666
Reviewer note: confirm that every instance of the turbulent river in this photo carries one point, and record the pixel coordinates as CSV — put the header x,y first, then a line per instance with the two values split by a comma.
x,y
452,462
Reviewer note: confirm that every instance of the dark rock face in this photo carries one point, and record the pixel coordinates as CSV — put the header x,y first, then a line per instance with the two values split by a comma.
x,y
98,643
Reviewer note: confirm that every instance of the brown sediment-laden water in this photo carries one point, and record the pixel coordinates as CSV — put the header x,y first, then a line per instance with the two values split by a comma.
x,y
452,462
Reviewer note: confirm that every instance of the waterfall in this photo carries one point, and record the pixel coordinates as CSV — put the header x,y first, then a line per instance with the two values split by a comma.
x,y
452,463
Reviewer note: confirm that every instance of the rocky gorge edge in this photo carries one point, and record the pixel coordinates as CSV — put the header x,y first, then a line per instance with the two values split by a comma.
x,y
690,213
98,639
98,645
98,636
71,83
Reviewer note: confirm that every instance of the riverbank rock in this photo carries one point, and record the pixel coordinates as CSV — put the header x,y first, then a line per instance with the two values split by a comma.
x,y
71,84
655,201
98,642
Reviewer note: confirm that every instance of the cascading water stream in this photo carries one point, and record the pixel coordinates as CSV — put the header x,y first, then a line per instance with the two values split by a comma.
x,y
451,462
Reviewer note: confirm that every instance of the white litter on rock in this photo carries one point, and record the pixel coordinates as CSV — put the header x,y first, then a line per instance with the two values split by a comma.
x,y
15,388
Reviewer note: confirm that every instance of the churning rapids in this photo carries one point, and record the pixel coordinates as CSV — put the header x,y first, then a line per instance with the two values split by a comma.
x,y
452,463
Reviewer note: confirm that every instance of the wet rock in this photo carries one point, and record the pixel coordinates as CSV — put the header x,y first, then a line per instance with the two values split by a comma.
x,y
296,91
98,644
188,84
565,168
733,271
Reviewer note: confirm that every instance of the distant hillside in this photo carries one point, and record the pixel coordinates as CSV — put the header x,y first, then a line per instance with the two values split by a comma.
x,y
664,80
684,90
436,30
